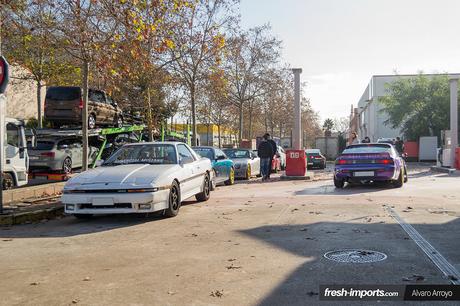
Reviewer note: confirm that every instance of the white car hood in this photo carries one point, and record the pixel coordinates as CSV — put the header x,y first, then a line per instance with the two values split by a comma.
x,y
135,174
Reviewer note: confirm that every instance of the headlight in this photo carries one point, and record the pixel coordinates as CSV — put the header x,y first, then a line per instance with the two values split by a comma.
x,y
142,190
70,206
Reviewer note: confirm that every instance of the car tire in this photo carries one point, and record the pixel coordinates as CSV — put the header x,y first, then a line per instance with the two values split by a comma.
x,y
339,183
67,165
231,177
206,193
174,201
83,216
91,121
406,178
248,172
8,181
400,181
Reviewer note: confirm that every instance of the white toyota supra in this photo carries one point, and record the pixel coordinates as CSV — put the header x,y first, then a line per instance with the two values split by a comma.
x,y
140,178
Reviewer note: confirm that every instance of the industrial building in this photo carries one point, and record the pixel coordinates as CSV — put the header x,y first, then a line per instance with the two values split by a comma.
x,y
367,119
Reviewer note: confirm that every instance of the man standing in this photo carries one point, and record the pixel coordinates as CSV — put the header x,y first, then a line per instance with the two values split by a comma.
x,y
399,144
274,148
265,153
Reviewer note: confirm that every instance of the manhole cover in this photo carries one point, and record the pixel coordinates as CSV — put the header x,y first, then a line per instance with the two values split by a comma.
x,y
355,256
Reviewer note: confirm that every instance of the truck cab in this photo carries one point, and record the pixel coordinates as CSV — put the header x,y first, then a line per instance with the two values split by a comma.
x,y
16,160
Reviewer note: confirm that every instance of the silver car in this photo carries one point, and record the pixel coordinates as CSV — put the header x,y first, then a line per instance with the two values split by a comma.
x,y
246,162
63,154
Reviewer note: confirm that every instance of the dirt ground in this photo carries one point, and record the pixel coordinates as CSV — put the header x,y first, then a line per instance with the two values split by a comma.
x,y
250,244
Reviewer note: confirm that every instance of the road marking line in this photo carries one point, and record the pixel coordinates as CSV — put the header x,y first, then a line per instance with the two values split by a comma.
x,y
440,261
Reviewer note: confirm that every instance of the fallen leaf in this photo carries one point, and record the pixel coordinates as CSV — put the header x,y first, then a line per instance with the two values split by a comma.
x,y
34,283
171,292
231,267
217,293
87,279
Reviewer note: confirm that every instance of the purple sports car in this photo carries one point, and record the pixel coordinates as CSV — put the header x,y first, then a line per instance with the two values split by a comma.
x,y
370,162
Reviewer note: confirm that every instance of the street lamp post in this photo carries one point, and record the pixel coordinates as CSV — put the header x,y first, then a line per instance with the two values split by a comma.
x,y
297,133
453,119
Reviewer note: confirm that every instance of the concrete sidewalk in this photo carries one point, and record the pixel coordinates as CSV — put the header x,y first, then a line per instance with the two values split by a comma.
x,y
32,211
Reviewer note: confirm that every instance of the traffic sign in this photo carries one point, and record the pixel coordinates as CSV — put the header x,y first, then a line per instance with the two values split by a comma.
x,y
4,74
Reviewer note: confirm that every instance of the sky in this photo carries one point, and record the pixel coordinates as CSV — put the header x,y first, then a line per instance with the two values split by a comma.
x,y
341,44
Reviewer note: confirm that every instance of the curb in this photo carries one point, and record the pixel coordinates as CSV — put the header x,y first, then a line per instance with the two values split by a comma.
x,y
443,170
31,216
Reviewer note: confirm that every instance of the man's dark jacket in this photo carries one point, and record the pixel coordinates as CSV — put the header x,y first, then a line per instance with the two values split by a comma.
x,y
274,146
265,149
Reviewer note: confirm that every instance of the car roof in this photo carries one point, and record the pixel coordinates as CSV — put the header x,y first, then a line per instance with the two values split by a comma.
x,y
203,147
238,149
372,144
155,142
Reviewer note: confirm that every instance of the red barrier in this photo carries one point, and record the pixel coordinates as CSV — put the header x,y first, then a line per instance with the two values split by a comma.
x,y
296,163
411,149
457,158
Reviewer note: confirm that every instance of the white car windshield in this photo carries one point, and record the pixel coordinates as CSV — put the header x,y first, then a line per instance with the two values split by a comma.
x,y
237,153
143,154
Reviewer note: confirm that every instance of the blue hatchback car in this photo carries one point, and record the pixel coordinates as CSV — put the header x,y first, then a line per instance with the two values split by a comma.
x,y
222,165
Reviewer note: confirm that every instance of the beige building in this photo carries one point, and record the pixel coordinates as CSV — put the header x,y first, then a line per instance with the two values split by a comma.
x,y
22,95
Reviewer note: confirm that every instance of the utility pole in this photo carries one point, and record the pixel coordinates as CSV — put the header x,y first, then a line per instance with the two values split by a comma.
x,y
453,119
297,133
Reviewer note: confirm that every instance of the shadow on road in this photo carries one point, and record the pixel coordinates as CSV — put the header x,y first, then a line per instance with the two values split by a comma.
x,y
70,226
329,189
311,241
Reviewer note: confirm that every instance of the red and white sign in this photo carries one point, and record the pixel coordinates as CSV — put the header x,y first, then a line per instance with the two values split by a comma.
x,y
3,74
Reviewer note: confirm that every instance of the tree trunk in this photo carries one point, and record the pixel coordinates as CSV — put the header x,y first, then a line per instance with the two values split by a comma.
x,y
240,132
194,129
250,120
149,114
84,122
39,104
207,134
218,135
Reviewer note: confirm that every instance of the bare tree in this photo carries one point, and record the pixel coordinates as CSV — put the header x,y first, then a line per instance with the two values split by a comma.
x,y
250,55
198,44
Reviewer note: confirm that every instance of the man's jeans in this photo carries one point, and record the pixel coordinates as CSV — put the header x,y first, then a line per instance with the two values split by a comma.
x,y
265,166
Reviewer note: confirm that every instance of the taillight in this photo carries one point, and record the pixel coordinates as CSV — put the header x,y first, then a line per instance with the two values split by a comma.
x,y
47,154
80,106
385,161
341,162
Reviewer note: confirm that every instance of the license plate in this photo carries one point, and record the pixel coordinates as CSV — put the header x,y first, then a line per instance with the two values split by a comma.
x,y
364,173
33,157
102,201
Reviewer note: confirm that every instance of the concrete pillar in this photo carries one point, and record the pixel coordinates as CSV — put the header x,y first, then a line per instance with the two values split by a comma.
x,y
297,133
453,118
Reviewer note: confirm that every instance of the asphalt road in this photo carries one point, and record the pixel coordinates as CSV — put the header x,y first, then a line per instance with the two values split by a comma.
x,y
251,244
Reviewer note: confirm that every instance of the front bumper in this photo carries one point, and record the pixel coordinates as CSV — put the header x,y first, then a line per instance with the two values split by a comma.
x,y
115,203
241,172
380,173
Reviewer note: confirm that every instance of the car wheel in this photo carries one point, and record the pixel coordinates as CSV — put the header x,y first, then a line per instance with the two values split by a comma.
x,y
91,121
83,216
338,183
248,172
173,201
205,194
8,181
67,165
231,177
119,122
400,181
406,178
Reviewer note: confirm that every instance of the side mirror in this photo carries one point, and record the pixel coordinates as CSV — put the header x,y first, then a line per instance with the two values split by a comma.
x,y
63,147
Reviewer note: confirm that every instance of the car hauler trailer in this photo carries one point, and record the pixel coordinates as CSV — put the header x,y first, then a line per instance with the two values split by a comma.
x,y
104,139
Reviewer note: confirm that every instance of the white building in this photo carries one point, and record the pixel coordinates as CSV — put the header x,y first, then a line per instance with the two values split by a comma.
x,y
370,118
